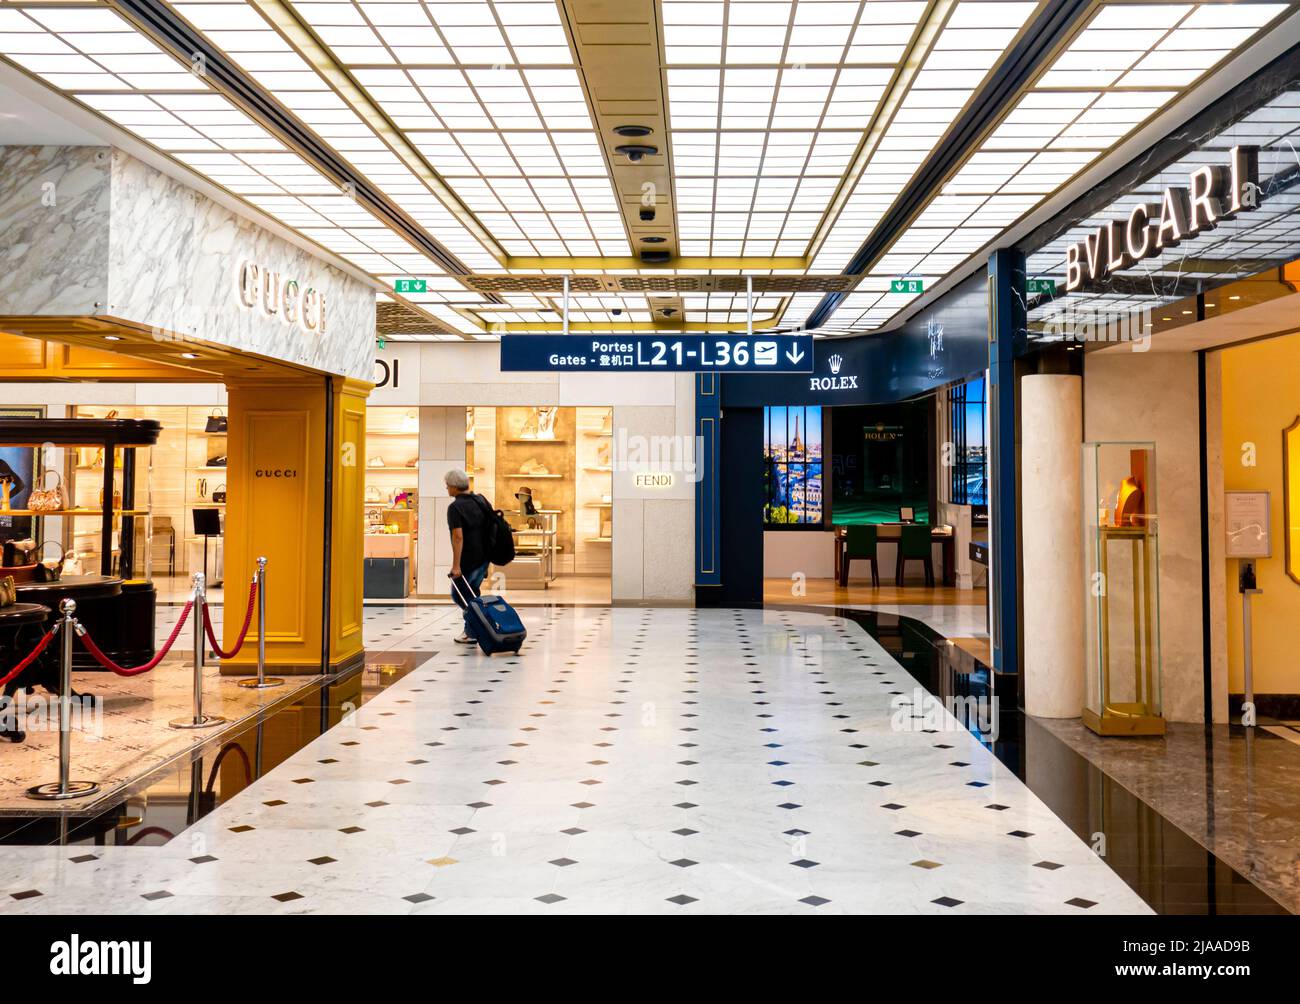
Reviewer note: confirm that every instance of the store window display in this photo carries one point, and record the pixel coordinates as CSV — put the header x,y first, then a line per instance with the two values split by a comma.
x,y
189,474
549,469
392,483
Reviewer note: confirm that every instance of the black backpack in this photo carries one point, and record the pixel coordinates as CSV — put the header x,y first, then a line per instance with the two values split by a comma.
x,y
498,535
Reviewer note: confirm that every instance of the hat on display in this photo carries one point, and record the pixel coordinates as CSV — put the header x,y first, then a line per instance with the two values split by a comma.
x,y
525,497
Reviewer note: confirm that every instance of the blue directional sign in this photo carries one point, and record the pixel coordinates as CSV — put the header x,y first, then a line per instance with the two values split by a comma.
x,y
657,353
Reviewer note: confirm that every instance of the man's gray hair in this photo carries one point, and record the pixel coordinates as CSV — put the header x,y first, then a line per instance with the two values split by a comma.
x,y
456,479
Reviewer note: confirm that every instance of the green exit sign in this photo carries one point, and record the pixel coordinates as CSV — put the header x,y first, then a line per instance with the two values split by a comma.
x,y
1047,286
906,286
410,286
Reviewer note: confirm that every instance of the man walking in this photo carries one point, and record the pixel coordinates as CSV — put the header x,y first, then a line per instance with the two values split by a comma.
x,y
467,518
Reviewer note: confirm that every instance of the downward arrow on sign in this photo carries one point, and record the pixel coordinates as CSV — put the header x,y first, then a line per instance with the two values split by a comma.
x,y
794,355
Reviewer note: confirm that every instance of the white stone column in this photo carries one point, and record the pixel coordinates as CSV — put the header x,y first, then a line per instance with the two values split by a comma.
x,y
1052,507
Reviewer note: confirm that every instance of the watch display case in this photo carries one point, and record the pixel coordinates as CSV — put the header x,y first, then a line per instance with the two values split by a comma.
x,y
1122,565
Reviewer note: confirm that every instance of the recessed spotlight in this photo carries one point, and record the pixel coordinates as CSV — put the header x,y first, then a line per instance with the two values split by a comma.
x,y
636,152
1166,318
112,338
1234,297
632,131
1186,311
189,355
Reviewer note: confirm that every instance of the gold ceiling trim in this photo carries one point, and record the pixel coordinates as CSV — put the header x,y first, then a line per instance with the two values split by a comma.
x,y
400,317
666,284
598,263
676,325
304,41
617,52
922,43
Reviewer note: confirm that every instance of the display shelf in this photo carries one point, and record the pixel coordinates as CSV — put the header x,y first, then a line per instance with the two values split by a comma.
x,y
72,512
544,442
518,475
599,540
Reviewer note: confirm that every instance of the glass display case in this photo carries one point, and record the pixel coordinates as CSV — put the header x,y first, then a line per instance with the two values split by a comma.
x,y
1122,565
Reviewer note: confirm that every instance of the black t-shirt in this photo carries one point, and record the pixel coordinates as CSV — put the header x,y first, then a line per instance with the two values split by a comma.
x,y
468,513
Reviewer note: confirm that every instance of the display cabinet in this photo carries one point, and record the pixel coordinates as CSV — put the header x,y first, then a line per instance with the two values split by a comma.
x,y
1122,565
104,506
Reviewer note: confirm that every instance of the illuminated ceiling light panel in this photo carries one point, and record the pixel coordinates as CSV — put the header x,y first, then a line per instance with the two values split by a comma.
x,y
1128,64
488,93
768,103
186,119
241,31
971,42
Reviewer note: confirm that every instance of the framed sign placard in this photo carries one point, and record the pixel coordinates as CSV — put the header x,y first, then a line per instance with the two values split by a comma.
x,y
1246,518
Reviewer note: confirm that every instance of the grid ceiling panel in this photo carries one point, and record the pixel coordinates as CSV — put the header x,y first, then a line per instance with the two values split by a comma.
x,y
1130,62
105,63
489,95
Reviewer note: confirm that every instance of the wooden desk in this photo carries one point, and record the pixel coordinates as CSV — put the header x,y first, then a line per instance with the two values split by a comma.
x,y
943,536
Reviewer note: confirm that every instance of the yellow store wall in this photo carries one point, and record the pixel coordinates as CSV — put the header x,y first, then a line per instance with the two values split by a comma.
x,y
1261,397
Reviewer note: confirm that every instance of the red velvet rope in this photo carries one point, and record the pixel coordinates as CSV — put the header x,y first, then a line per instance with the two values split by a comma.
x,y
108,663
243,632
40,647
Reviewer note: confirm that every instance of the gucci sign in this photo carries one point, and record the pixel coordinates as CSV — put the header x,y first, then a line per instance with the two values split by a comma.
x,y
1212,195
267,290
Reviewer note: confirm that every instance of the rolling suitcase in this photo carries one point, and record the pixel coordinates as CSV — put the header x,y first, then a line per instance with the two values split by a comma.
x,y
492,621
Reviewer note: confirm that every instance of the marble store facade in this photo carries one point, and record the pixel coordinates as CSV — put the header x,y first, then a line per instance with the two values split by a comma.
x,y
117,272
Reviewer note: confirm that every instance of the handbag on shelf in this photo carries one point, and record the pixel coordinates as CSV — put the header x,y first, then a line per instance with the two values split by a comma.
x,y
217,422
117,499
219,461
8,591
201,486
50,571
47,499
72,564
219,493
19,552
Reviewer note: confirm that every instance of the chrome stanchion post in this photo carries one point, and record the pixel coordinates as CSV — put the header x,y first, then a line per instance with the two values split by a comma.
x,y
198,720
63,788
263,681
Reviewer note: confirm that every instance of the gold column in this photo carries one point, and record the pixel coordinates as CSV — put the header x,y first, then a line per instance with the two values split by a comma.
x,y
285,480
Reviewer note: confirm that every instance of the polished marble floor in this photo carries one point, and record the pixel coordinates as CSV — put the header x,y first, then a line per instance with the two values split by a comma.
x,y
630,760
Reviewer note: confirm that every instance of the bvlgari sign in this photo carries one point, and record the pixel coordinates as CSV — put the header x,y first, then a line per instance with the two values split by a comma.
x,y
276,296
1212,195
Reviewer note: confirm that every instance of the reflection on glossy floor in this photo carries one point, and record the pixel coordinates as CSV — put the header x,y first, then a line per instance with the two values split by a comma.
x,y
1170,867
860,592
630,761
1235,791
126,734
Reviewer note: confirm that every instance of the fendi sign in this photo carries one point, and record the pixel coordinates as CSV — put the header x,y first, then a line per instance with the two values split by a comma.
x,y
1212,194
266,289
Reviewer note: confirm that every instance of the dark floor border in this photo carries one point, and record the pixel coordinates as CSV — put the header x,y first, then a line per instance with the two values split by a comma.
x,y
1171,871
